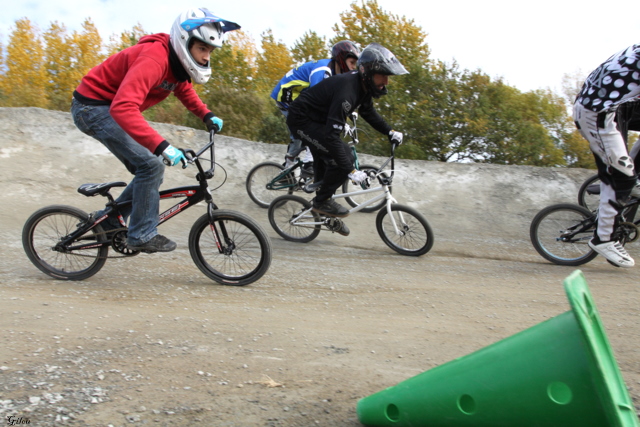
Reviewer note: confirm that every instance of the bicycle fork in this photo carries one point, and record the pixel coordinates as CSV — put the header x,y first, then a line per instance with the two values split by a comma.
x,y
401,229
223,242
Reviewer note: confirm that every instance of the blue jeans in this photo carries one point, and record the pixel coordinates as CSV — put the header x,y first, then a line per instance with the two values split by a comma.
x,y
147,168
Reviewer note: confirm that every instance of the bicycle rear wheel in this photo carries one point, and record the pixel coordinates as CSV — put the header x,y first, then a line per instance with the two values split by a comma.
x,y
355,201
414,236
230,248
284,209
561,233
589,193
41,239
261,175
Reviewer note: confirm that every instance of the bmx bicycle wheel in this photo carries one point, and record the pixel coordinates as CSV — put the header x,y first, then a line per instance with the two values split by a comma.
x,y
284,209
261,175
415,236
589,193
561,234
356,201
41,239
230,248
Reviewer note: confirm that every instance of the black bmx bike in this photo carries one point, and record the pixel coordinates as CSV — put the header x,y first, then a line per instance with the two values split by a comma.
x,y
229,247
561,232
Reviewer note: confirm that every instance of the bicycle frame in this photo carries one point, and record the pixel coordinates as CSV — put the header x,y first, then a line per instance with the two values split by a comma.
x,y
193,194
384,189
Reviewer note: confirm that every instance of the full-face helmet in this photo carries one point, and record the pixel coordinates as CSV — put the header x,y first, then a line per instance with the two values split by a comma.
x,y
377,59
343,50
198,24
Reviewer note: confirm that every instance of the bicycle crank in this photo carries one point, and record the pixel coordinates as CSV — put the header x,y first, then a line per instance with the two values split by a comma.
x,y
333,224
629,231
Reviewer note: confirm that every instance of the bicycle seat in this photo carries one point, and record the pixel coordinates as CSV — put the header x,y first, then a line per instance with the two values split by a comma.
x,y
91,190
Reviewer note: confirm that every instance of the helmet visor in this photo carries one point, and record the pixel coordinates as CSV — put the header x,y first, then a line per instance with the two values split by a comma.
x,y
208,18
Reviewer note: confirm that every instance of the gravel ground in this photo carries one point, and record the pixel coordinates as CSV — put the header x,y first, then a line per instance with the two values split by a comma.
x,y
151,341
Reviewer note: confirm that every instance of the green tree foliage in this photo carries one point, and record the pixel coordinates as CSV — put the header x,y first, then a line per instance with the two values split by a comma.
x,y
310,47
23,82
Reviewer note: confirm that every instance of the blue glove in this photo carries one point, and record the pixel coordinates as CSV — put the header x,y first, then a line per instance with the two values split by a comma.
x,y
215,124
173,156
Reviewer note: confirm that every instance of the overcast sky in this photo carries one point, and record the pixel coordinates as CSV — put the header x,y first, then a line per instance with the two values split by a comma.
x,y
531,45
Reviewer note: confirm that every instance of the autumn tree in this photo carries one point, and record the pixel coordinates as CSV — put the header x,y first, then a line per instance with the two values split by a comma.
x,y
125,39
366,23
23,82
68,58
272,63
310,47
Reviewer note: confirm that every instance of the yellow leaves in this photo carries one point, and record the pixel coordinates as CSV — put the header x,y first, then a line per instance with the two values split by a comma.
x,y
23,83
274,61
43,70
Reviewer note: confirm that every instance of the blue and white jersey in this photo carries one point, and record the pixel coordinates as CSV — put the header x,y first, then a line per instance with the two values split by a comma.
x,y
300,78
614,82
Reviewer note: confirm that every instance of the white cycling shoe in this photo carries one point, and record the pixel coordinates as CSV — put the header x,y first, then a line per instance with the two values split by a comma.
x,y
614,252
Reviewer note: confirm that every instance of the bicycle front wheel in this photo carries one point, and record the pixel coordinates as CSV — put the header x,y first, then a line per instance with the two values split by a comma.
x,y
286,219
589,193
561,234
411,235
42,237
261,175
230,248
356,201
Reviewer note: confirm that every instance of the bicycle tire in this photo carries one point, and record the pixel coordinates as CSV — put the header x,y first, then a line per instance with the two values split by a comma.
x,y
551,222
355,201
283,209
258,178
417,236
44,229
586,196
241,262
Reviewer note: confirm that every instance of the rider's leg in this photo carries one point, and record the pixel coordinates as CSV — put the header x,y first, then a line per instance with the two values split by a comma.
x,y
616,173
148,171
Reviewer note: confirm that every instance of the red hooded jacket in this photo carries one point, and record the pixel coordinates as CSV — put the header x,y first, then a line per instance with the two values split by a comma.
x,y
135,79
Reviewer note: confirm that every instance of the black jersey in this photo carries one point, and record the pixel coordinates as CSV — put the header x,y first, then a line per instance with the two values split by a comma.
x,y
332,100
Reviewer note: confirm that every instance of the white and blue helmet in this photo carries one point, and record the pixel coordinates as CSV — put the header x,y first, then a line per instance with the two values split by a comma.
x,y
202,25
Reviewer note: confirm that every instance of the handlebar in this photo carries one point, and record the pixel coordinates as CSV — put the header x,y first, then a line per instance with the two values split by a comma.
x,y
193,157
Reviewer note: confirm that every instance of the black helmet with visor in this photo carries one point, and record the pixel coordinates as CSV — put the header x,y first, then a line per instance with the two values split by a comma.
x,y
377,59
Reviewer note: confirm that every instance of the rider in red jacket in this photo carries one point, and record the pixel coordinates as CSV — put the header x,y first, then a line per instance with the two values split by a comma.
x,y
108,106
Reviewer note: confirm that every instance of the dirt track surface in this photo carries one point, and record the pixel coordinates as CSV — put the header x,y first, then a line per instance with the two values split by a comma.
x,y
150,340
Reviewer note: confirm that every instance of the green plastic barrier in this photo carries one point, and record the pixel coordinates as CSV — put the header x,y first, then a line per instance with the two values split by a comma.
x,y
560,372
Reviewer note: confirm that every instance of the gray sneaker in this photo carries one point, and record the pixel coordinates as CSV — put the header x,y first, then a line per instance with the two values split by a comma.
x,y
344,230
158,243
635,191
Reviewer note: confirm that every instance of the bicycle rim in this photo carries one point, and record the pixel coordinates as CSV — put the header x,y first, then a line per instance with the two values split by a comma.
x,y
589,193
355,201
414,236
555,234
284,209
44,230
260,176
232,249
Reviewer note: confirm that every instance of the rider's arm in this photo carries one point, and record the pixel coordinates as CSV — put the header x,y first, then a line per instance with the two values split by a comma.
x,y
368,112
